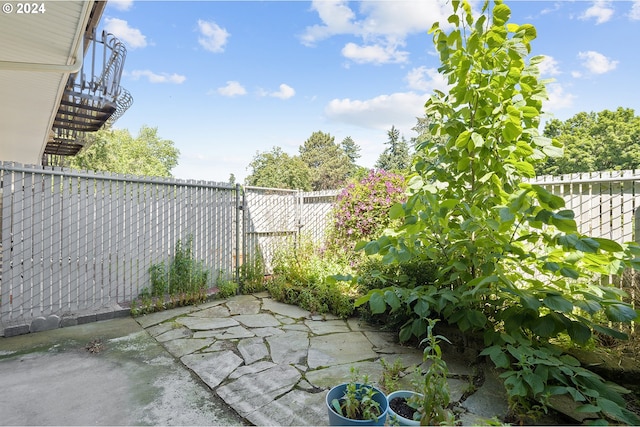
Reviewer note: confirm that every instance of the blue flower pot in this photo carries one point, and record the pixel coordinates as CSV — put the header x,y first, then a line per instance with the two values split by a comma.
x,y
336,419
398,419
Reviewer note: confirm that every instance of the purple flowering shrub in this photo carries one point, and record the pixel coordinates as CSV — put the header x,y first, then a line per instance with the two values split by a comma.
x,y
361,211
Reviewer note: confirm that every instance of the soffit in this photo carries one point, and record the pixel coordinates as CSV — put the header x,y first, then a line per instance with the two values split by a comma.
x,y
29,100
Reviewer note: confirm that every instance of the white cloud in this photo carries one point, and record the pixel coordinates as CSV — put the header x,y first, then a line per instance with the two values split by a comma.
x,y
121,4
634,13
382,28
600,11
548,10
549,66
214,38
233,88
285,92
375,54
558,98
382,112
596,62
426,79
158,78
132,37
337,18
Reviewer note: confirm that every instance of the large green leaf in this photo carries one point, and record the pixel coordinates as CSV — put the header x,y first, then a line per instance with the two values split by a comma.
x,y
620,312
497,356
535,382
579,332
396,211
558,303
501,14
377,304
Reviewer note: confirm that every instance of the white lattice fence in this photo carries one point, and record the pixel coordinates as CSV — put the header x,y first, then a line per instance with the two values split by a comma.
x,y
316,210
604,203
271,217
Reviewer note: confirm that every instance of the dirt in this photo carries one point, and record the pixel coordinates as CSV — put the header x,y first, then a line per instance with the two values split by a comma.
x,y
400,407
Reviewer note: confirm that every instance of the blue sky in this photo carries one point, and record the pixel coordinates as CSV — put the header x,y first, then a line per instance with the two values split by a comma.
x,y
226,79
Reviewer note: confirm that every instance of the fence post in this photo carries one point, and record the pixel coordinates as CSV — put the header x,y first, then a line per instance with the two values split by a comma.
x,y
636,229
238,217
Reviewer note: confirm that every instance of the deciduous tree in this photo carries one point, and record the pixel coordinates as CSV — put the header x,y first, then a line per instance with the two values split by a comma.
x,y
278,169
608,140
115,150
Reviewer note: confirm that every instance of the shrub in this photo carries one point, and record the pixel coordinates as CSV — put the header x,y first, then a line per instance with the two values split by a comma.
x,y
252,274
513,263
361,210
226,288
183,275
300,276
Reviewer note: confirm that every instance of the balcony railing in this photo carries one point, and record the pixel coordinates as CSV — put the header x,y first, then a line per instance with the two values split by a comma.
x,y
92,98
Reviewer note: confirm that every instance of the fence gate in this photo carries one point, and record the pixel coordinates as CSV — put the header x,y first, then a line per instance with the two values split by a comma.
x,y
270,218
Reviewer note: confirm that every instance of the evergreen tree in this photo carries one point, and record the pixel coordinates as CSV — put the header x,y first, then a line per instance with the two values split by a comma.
x,y
396,156
329,164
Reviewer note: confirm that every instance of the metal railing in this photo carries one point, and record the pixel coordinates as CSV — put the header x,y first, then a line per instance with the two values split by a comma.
x,y
92,98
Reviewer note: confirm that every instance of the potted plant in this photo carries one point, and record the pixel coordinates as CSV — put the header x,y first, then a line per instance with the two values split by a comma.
x,y
356,403
429,404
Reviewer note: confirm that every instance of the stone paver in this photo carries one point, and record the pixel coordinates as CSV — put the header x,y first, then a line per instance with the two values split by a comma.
x,y
252,349
274,363
212,368
339,349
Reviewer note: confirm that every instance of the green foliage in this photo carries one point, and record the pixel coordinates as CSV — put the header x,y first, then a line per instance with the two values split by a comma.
x,y
361,210
351,149
390,375
301,276
608,140
159,279
277,169
330,165
185,273
183,282
432,402
117,151
395,157
357,403
512,262
226,288
252,274
398,280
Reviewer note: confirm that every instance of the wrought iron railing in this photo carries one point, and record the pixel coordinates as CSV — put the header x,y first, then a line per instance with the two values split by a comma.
x,y
92,98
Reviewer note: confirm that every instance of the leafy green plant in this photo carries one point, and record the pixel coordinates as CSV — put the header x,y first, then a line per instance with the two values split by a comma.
x,y
512,262
390,375
226,288
357,403
185,273
301,276
184,281
252,274
159,279
432,402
